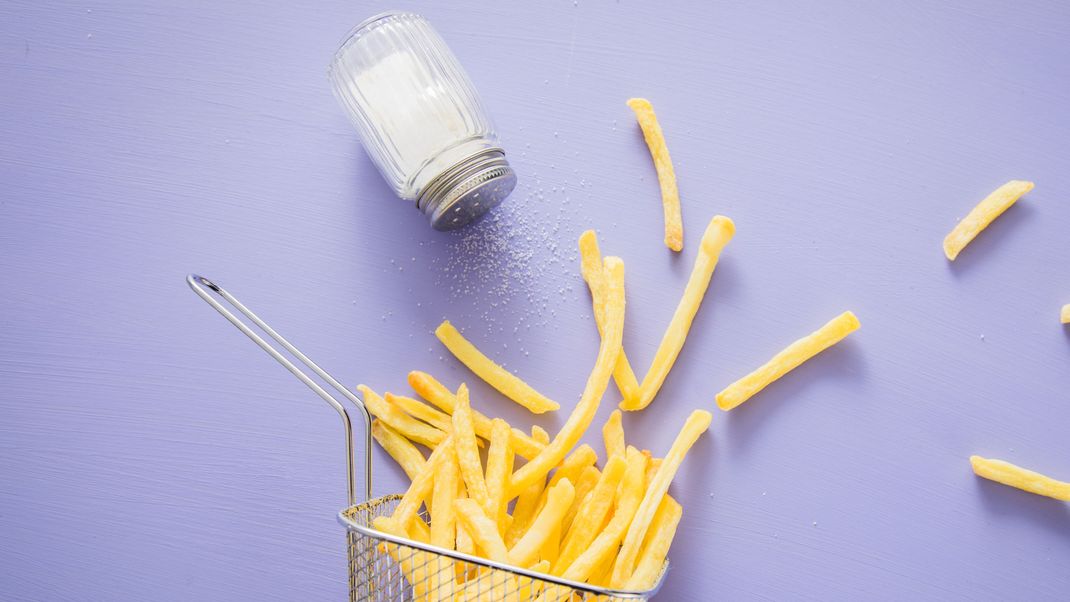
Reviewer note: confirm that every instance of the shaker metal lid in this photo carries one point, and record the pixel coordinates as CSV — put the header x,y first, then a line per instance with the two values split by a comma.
x,y
467,190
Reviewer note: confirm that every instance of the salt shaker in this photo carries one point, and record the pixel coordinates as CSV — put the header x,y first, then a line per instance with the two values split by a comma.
x,y
420,119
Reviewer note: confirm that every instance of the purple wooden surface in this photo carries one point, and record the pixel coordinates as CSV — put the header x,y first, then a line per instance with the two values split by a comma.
x,y
148,451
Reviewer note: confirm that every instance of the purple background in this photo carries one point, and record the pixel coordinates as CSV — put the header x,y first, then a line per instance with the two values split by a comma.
x,y
148,451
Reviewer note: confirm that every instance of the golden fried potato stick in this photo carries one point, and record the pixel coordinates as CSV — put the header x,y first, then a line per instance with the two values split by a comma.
x,y
719,231
420,489
1016,476
548,521
588,478
613,434
696,424
499,469
437,393
1064,315
399,448
505,382
467,453
570,468
592,514
594,275
982,215
420,411
788,359
597,382
443,518
528,501
417,431
481,528
652,469
670,197
629,495
656,548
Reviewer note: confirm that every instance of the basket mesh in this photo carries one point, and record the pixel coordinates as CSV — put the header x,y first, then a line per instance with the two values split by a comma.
x,y
384,571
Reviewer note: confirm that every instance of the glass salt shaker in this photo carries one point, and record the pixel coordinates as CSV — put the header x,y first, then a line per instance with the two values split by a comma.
x,y
420,119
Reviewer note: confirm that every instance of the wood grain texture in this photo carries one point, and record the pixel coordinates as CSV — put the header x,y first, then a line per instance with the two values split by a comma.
x,y
148,451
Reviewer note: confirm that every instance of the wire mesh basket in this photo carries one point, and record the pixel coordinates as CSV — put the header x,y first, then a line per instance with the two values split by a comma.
x,y
386,568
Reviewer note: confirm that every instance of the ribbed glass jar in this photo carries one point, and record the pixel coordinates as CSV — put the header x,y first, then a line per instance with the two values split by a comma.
x,y
420,119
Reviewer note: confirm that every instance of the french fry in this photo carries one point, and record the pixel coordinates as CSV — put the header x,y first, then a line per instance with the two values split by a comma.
x,y
656,548
1016,476
467,453
696,424
527,549
420,411
417,431
411,562
594,275
501,379
481,528
571,467
499,469
1064,315
540,435
788,359
443,517
652,469
551,546
670,197
399,448
982,215
587,480
719,231
419,530
597,382
528,501
613,434
592,514
421,487
437,394
629,496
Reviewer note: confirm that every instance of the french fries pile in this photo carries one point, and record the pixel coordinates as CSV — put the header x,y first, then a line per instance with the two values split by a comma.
x,y
560,512
610,526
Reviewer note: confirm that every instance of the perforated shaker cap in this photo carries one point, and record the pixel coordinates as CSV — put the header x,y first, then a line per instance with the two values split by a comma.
x,y
467,190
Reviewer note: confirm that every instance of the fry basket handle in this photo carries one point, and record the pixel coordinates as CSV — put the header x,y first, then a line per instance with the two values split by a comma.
x,y
202,286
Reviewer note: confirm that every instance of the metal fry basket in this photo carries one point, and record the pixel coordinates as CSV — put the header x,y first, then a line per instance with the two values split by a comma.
x,y
383,567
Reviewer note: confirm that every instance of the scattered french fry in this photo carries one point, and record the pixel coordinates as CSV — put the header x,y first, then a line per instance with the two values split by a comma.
x,y
670,197
399,448
417,431
696,424
558,500
788,359
501,379
982,215
421,411
584,412
652,469
613,434
591,515
570,468
719,231
1064,315
436,393
1021,478
467,453
499,468
594,275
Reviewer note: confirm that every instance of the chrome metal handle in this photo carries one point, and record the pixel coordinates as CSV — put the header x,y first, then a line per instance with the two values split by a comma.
x,y
202,286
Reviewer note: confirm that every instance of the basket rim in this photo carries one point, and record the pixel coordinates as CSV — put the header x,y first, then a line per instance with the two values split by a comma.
x,y
351,525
